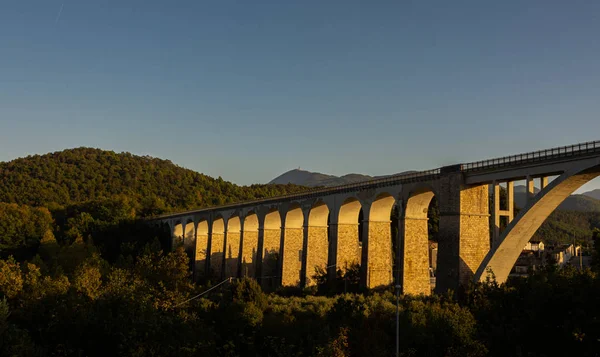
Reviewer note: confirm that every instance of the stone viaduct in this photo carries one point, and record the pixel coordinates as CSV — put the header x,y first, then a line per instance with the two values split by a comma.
x,y
283,240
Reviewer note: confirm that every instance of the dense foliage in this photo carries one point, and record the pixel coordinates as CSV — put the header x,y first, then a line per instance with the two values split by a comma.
x,y
73,176
69,301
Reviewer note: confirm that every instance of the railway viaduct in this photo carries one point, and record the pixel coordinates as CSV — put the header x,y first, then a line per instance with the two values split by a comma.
x,y
282,240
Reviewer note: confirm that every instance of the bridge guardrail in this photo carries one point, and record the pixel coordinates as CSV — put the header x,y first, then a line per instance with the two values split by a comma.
x,y
534,156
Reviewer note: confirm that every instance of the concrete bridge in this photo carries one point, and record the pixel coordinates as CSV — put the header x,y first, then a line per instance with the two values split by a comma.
x,y
282,240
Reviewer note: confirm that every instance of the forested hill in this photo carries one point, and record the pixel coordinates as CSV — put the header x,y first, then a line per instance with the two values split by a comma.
x,y
83,174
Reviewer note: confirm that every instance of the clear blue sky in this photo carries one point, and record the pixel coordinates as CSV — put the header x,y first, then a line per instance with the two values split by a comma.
x,y
250,89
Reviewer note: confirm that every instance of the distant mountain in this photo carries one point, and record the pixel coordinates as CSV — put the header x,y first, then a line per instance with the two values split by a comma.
x,y
593,194
315,179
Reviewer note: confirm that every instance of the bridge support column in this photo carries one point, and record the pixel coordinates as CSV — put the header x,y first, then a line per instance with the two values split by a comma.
x,y
258,267
346,246
270,257
414,255
315,253
217,245
529,188
292,256
499,211
249,252
201,249
377,257
464,238
232,252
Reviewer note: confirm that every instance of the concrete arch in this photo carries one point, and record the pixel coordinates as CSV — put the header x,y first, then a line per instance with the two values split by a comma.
x,y
291,248
270,249
378,257
250,244
349,245
217,245
415,277
201,247
317,240
232,251
501,258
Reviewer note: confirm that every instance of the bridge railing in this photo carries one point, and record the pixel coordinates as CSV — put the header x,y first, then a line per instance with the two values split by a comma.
x,y
581,149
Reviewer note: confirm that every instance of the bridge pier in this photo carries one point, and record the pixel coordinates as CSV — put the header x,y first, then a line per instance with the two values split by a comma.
x,y
464,237
232,252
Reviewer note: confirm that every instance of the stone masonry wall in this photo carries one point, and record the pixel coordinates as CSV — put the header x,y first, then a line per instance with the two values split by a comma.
x,y
474,230
380,254
317,254
250,246
201,245
291,260
216,253
232,254
415,270
270,257
348,249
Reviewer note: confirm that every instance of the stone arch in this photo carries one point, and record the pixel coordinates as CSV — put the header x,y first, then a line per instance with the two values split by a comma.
x,y
270,247
379,242
217,245
503,256
189,236
349,244
317,247
250,244
232,251
291,249
178,233
201,247
415,254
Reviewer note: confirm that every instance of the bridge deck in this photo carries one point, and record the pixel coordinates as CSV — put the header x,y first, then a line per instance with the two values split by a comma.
x,y
587,149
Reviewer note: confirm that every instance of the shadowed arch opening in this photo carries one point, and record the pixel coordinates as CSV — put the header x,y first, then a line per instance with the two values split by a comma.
x,y
349,246
217,244
501,258
189,237
177,235
291,257
419,255
317,247
379,251
250,245
201,247
232,252
270,256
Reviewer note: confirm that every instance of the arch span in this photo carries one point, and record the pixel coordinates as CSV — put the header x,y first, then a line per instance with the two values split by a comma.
x,y
178,233
502,257
189,236
291,257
